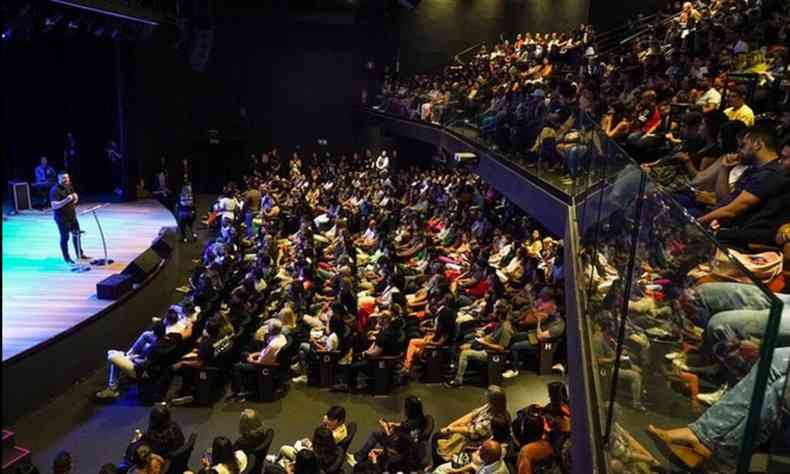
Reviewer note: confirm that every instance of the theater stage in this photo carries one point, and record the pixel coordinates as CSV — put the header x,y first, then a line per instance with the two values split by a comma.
x,y
42,297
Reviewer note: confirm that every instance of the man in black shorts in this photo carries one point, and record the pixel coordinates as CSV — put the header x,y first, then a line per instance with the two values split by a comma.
x,y
64,201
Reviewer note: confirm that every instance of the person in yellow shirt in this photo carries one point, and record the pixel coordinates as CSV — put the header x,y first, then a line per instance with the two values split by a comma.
x,y
738,110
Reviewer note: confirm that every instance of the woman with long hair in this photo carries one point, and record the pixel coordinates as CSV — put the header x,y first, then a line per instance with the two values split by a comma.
x,y
472,427
223,459
325,448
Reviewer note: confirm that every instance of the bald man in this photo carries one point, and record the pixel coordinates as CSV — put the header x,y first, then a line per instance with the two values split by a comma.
x,y
491,454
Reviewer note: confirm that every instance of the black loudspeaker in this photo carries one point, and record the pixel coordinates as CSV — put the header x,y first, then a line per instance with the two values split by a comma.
x,y
20,191
113,287
163,245
142,266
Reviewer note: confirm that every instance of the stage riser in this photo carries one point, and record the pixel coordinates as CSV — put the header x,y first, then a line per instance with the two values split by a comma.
x,y
37,376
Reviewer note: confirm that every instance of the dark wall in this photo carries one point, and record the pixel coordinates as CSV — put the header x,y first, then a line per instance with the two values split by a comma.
x,y
609,14
51,85
437,29
271,80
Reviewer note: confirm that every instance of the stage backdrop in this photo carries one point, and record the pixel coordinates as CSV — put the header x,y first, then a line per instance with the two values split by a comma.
x,y
51,85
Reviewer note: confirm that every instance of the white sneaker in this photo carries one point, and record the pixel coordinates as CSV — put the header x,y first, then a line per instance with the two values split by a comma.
x,y
559,368
300,379
510,374
351,460
674,355
713,397
183,289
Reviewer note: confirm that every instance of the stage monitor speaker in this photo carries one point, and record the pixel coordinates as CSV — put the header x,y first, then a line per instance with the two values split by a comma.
x,y
114,286
142,266
163,245
20,191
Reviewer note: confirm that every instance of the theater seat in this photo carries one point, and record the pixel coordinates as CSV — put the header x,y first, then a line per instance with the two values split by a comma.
x,y
436,363
546,356
384,373
273,378
327,366
495,367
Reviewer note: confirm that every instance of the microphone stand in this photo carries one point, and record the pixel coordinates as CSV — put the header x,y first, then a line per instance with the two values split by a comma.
x,y
106,260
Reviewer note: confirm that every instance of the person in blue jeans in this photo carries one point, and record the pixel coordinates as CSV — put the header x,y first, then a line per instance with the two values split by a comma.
x,y
743,307
719,432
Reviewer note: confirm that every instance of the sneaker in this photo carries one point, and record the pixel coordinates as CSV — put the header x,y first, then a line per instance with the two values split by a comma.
x,y
182,400
296,367
713,397
183,289
510,374
453,383
341,387
85,257
681,364
300,379
69,262
639,407
558,368
108,393
351,460
674,355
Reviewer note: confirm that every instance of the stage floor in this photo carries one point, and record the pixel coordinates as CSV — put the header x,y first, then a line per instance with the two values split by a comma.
x,y
42,297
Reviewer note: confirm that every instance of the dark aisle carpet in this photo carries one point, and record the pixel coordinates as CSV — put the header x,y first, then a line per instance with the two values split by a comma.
x,y
95,434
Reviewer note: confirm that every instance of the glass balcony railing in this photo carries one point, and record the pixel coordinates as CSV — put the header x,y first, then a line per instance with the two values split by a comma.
x,y
682,337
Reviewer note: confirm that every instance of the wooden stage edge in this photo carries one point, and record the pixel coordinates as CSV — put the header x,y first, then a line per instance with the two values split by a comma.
x,y
43,301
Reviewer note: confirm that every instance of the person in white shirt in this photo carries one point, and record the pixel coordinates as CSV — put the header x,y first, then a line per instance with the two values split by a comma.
x,y
275,341
383,162
711,98
226,206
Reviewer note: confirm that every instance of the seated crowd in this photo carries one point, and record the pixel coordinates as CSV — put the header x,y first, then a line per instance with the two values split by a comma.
x,y
346,258
485,440
650,94
701,101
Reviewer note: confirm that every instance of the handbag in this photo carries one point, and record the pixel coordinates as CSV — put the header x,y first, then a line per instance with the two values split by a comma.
x,y
765,266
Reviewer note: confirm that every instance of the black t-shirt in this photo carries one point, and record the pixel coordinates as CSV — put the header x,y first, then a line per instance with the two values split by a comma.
x,y
387,340
68,212
445,324
768,183
205,351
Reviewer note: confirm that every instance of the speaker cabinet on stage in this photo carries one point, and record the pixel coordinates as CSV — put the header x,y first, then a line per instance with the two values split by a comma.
x,y
113,287
20,192
163,245
142,266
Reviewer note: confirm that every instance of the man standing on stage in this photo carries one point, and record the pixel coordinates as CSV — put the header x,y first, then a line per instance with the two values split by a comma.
x,y
64,201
